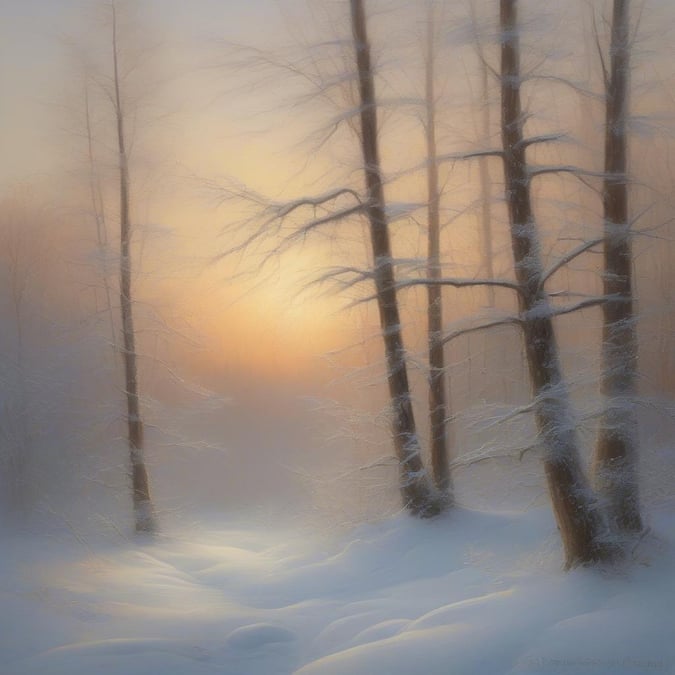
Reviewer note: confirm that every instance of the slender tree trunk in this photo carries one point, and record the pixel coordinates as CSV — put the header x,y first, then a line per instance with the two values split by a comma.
x,y
580,523
485,189
483,163
99,217
438,389
144,518
20,444
416,490
617,447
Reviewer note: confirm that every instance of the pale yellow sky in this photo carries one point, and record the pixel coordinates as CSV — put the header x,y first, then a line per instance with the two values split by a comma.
x,y
206,125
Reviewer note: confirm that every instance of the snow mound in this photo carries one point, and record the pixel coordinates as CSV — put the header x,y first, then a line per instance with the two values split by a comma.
x,y
258,635
468,593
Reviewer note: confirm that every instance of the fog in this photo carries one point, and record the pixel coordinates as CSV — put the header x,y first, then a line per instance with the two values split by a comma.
x,y
337,337
264,392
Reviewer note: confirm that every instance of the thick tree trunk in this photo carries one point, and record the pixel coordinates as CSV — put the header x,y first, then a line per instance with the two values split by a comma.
x,y
580,523
417,493
617,447
144,518
438,391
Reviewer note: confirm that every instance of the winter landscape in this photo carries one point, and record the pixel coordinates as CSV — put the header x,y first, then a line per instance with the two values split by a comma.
x,y
338,337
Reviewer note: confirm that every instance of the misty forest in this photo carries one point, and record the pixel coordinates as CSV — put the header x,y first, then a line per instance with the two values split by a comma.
x,y
338,337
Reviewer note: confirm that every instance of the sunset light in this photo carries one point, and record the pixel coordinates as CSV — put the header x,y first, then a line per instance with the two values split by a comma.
x,y
337,337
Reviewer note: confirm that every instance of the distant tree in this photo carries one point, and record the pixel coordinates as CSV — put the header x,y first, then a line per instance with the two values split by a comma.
x,y
330,82
418,494
483,162
98,208
438,386
616,451
144,517
24,242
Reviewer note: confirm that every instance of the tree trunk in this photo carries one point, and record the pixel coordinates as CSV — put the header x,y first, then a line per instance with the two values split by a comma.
x,y
144,518
98,211
617,446
438,392
416,491
483,163
580,523
486,190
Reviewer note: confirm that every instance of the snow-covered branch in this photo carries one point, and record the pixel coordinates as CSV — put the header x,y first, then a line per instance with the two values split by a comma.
x,y
574,253
568,83
543,138
504,321
583,304
460,283
455,156
577,171
486,453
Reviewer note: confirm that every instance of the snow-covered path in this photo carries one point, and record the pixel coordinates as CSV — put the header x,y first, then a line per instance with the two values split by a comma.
x,y
469,593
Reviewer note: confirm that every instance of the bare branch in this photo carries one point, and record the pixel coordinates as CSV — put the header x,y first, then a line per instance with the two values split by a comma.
x,y
504,321
569,257
478,47
576,171
285,209
598,46
584,304
318,222
544,138
276,213
589,93
460,283
334,274
507,417
484,454
453,157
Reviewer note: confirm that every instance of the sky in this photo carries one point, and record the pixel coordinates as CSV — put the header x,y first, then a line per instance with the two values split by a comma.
x,y
290,411
35,63
196,134
297,364
206,125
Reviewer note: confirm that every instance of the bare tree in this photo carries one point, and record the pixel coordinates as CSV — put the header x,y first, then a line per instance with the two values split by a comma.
x,y
579,520
418,495
98,208
617,445
144,518
24,242
483,162
438,389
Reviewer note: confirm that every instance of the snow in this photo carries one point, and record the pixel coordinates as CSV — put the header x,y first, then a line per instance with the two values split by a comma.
x,y
470,592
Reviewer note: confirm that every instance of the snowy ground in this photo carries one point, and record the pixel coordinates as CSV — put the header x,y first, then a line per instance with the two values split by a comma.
x,y
471,593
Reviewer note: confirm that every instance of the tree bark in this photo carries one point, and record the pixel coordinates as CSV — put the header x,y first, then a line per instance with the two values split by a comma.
x,y
144,518
615,462
438,386
580,523
483,164
416,491
486,190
